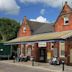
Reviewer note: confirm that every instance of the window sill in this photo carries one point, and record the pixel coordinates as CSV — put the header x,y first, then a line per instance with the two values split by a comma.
x,y
66,25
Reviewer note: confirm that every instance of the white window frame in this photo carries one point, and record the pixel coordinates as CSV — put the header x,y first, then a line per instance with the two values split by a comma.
x,y
66,19
24,29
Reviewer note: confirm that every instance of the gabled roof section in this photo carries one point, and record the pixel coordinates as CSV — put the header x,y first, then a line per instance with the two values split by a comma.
x,y
39,27
34,25
66,9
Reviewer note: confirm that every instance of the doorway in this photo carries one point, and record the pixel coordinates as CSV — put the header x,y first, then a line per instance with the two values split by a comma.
x,y
42,54
70,56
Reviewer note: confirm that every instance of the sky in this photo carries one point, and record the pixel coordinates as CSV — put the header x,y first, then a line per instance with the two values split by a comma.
x,y
34,10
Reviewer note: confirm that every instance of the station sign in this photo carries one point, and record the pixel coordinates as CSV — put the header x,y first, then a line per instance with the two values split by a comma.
x,y
41,44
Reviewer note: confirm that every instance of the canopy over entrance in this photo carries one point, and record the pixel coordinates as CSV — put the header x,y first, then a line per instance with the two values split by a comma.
x,y
41,37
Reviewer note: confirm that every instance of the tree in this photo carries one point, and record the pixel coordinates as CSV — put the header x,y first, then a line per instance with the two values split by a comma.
x,y
8,29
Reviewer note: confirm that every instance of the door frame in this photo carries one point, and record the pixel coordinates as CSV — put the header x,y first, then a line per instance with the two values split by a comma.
x,y
69,63
68,47
45,60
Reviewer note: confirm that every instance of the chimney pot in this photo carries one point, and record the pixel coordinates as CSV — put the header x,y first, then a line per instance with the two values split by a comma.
x,y
24,17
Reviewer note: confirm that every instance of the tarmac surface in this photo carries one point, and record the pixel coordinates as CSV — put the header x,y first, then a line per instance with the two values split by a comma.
x,y
41,67
4,67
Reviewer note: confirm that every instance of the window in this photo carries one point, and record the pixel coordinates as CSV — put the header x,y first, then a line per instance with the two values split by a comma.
x,y
28,51
66,20
62,49
24,29
55,52
62,52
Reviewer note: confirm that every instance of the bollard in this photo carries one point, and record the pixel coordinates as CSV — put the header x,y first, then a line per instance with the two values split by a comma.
x,y
33,62
62,65
14,59
8,57
32,59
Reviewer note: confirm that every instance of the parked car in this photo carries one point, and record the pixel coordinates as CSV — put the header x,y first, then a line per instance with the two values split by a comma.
x,y
55,61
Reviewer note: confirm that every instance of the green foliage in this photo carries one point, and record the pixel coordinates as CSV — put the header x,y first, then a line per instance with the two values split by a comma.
x,y
8,29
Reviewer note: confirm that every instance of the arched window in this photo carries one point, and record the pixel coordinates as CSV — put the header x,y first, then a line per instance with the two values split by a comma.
x,y
28,50
24,29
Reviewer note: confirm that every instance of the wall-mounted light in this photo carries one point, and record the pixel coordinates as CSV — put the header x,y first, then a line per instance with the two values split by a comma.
x,y
1,49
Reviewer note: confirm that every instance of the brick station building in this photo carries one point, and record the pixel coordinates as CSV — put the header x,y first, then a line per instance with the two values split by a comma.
x,y
59,35
29,28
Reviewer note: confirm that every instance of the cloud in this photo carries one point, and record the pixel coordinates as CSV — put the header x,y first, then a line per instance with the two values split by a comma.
x,y
42,12
40,19
52,3
9,6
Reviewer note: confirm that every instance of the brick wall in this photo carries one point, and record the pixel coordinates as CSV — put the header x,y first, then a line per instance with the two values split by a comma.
x,y
21,32
59,26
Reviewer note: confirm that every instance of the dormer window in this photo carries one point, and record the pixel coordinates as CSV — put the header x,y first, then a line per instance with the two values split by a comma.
x,y
66,20
24,29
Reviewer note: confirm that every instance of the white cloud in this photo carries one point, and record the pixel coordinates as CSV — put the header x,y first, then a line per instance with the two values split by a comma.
x,y
9,6
40,19
42,12
52,3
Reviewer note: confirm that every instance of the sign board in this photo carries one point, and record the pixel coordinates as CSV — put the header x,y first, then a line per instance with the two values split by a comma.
x,y
42,44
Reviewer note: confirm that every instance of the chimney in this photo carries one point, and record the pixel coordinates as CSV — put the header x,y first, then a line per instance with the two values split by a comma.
x,y
25,20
